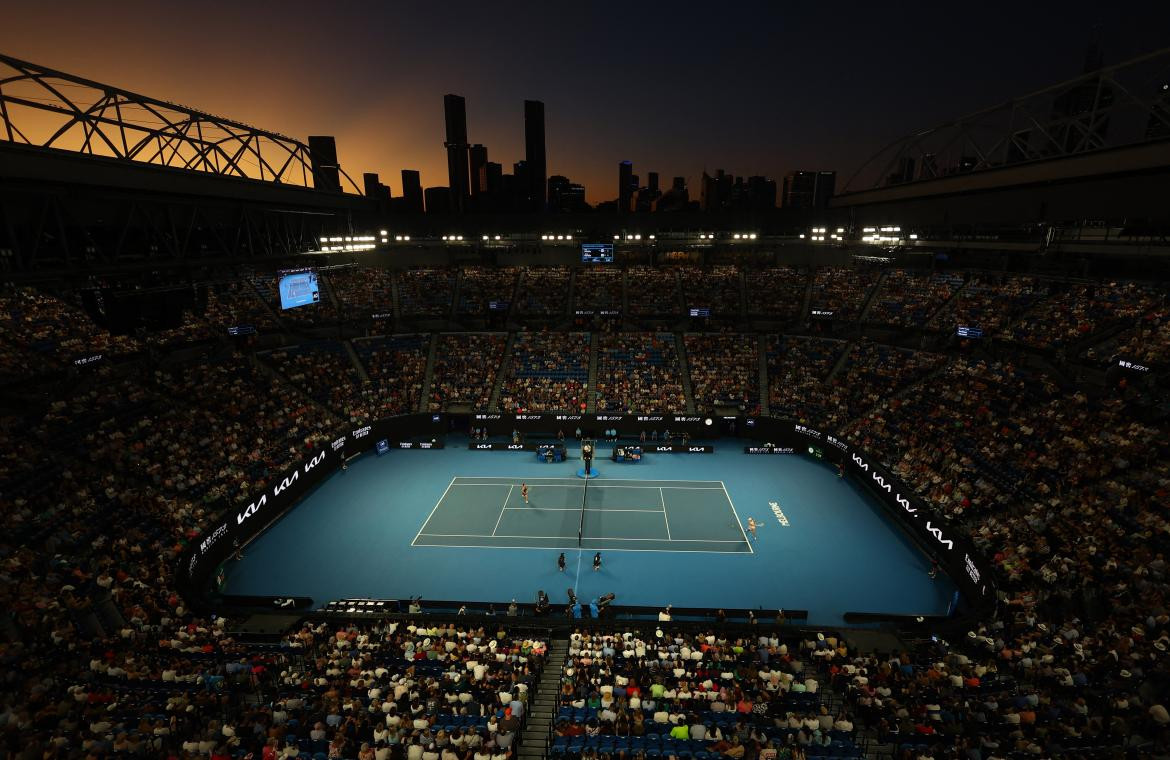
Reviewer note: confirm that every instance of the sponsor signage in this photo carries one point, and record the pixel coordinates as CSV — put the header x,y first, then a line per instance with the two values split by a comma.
x,y
803,430
491,446
1123,363
943,539
420,444
679,448
242,330
822,313
383,315
87,360
769,450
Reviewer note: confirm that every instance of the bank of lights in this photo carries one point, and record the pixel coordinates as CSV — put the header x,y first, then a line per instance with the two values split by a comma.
x,y
556,237
402,238
883,235
350,243
453,238
744,236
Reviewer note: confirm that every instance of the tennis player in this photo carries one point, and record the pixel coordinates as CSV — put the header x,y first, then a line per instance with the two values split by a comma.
x,y
524,491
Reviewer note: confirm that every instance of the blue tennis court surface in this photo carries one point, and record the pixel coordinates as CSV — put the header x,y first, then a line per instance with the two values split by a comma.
x,y
612,515
452,525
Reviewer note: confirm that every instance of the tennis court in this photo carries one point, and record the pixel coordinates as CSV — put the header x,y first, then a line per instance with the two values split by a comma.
x,y
570,513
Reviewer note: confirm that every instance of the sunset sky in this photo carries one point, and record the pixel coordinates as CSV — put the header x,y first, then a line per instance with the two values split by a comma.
x,y
753,88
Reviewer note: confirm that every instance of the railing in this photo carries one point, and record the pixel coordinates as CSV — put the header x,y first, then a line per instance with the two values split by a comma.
x,y
46,108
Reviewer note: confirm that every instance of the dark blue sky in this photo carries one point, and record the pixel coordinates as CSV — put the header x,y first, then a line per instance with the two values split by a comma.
x,y
749,87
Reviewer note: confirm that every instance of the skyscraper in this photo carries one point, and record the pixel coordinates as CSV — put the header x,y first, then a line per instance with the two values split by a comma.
x,y
455,113
478,156
412,191
803,189
625,186
534,153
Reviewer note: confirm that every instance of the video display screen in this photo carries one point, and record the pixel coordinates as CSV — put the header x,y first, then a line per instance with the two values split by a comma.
x,y
597,253
299,289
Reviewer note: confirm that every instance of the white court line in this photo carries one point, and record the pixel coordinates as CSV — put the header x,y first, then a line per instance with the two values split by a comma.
x,y
737,520
562,548
664,517
503,509
615,483
577,509
594,538
593,485
432,514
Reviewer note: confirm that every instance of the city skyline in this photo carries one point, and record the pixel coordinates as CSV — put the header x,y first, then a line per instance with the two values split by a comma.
x,y
761,91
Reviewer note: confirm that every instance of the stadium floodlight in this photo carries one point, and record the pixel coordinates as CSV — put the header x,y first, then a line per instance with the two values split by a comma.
x,y
544,237
802,236
560,237
458,237
485,237
737,236
651,237
616,237
406,238
754,236
383,233
398,238
913,236
568,237
497,237
637,237
840,230
444,237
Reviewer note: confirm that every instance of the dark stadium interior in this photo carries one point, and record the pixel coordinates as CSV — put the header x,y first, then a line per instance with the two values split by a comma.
x,y
205,325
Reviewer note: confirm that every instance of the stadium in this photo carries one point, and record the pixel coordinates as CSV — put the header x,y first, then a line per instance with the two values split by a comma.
x,y
296,471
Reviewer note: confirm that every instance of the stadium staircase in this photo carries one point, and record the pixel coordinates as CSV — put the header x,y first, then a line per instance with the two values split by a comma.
x,y
684,368
279,378
429,374
870,298
451,315
625,296
502,372
394,307
808,290
356,362
330,294
680,306
591,389
264,302
517,289
571,296
837,365
743,302
536,737
762,350
947,304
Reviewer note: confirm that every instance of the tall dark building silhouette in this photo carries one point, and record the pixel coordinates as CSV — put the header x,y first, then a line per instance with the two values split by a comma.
x,y
625,186
495,177
808,189
455,113
534,154
478,155
412,192
438,200
323,158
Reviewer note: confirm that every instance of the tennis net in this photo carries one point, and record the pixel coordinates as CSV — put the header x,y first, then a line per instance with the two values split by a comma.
x,y
581,527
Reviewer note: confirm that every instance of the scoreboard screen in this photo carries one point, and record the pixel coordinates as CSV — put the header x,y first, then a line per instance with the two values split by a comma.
x,y
299,289
597,253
